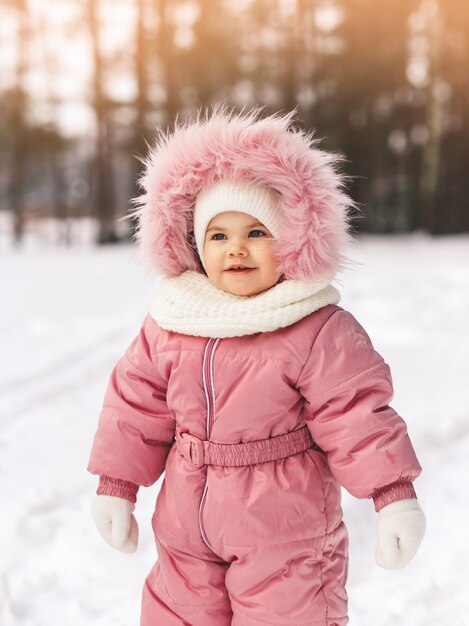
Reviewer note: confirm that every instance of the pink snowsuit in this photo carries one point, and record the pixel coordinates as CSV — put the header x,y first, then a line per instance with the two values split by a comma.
x,y
255,433
264,543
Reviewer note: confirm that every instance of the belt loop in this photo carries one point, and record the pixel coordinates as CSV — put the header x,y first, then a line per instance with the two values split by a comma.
x,y
191,447
196,451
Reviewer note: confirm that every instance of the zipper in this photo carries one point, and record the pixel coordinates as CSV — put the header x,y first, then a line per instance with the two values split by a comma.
x,y
209,388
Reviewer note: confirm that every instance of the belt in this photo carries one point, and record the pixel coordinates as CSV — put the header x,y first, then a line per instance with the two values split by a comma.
x,y
204,452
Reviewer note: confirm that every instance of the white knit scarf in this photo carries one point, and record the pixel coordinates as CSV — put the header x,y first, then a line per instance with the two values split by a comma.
x,y
190,304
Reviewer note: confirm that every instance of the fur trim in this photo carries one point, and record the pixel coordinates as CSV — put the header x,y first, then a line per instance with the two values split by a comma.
x,y
243,147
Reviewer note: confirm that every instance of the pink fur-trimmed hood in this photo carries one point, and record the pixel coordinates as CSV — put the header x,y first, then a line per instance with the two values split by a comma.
x,y
314,226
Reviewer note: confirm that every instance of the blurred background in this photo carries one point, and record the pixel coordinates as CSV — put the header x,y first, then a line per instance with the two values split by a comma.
x,y
84,84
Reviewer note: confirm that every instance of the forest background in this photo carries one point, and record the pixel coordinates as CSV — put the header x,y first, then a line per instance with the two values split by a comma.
x,y
85,83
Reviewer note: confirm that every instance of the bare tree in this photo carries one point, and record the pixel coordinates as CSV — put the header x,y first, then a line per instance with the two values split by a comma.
x,y
53,148
102,170
17,120
434,122
166,56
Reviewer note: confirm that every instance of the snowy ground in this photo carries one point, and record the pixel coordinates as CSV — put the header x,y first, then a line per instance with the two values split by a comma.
x,y
66,316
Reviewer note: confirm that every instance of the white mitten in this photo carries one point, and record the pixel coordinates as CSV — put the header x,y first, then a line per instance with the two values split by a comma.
x,y
115,522
401,527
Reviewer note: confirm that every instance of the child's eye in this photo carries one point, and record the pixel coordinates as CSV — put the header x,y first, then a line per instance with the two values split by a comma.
x,y
223,235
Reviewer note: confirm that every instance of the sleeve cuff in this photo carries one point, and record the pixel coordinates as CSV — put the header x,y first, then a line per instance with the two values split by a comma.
x,y
114,487
400,490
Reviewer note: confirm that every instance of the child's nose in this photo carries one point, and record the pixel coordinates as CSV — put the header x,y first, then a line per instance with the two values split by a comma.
x,y
237,245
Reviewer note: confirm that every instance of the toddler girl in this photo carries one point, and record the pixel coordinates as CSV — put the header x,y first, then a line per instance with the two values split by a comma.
x,y
250,387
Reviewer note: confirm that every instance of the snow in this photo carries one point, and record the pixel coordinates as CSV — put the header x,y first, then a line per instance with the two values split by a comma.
x,y
68,314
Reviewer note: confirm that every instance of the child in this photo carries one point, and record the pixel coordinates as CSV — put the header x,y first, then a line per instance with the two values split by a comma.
x,y
251,388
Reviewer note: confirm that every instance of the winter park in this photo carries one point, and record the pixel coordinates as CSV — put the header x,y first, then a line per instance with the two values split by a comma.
x,y
234,278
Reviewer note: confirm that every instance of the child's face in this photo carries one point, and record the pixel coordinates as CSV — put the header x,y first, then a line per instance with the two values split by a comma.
x,y
233,237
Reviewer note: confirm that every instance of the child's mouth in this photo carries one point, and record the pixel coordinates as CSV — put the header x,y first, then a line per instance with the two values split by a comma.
x,y
245,270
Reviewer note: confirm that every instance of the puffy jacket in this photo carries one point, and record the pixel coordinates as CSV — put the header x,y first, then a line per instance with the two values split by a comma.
x,y
322,371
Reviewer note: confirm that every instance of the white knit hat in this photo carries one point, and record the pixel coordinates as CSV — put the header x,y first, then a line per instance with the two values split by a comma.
x,y
257,200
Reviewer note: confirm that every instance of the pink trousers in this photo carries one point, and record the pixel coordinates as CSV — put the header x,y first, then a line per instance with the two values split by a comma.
x,y
299,583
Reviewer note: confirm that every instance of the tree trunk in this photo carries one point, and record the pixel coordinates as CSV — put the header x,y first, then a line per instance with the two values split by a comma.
x,y
18,159
434,123
103,199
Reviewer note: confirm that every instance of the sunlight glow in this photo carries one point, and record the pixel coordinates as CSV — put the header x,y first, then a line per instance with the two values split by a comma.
x,y
59,61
